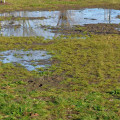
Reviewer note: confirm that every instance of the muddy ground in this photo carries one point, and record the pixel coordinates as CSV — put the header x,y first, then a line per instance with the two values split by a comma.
x,y
88,28
100,28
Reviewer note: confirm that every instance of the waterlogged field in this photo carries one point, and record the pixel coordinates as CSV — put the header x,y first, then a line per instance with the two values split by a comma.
x,y
75,76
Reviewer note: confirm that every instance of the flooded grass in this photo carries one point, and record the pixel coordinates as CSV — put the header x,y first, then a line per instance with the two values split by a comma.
x,y
48,24
31,60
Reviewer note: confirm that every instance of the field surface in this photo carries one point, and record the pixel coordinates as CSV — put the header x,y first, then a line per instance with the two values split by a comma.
x,y
81,76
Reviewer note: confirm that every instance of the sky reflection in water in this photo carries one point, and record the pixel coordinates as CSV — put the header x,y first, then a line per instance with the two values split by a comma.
x,y
55,19
29,59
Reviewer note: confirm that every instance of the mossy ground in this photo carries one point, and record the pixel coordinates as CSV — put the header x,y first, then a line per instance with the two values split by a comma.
x,y
83,82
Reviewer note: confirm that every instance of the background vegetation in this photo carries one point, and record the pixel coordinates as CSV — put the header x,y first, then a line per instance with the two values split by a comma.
x,y
56,4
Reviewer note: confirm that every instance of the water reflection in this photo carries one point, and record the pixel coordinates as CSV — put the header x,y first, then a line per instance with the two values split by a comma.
x,y
31,60
28,27
64,19
107,15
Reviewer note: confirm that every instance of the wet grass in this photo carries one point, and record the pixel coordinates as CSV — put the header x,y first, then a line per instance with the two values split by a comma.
x,y
56,4
83,82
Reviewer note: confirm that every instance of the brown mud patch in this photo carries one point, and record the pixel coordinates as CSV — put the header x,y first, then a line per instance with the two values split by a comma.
x,y
44,82
100,28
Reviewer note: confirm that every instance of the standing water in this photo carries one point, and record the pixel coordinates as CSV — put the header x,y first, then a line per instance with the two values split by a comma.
x,y
31,60
32,24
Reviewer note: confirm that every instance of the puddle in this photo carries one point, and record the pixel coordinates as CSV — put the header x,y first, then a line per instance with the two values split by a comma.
x,y
31,60
33,27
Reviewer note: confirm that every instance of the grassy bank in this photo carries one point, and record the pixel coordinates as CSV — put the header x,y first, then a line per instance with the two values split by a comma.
x,y
56,4
82,83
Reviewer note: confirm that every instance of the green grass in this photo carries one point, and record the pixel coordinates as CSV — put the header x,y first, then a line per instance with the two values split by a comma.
x,y
82,84
57,4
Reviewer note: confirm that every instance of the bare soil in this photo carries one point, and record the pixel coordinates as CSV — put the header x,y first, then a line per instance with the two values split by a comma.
x,y
90,28
103,28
